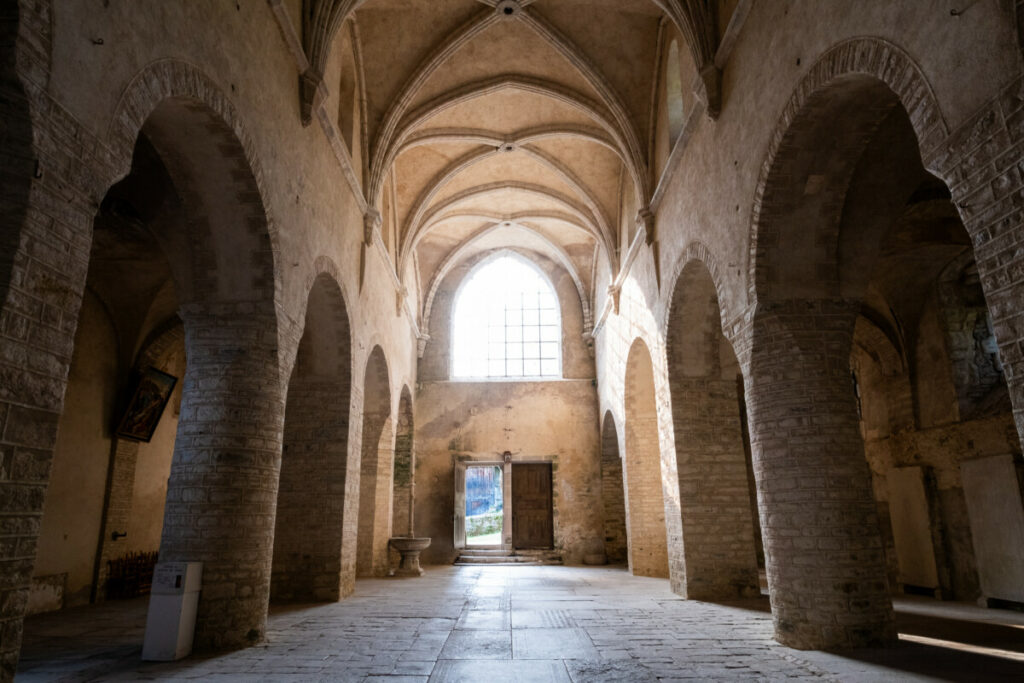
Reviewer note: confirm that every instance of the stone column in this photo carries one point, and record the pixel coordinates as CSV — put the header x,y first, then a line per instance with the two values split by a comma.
x,y
222,491
823,550
45,233
982,164
718,555
311,503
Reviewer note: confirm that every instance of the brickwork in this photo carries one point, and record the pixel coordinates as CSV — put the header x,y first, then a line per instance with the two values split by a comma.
x,y
981,164
858,82
311,493
716,559
216,170
222,489
645,508
613,497
45,231
405,469
714,497
823,551
310,521
376,467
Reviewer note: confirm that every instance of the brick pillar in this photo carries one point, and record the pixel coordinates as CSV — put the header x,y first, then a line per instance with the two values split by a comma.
x,y
612,495
45,233
222,490
376,467
311,502
982,164
823,550
718,560
642,471
401,504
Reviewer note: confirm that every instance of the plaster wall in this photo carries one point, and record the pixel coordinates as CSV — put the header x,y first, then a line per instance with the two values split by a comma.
x,y
553,421
534,420
152,468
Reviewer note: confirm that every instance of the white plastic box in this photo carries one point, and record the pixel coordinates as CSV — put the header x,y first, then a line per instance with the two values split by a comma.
x,y
171,620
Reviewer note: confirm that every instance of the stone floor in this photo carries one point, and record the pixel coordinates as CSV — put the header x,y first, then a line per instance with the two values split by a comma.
x,y
497,624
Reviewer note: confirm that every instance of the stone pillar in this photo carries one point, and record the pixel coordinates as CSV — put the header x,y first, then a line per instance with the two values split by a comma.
x,y
982,164
45,233
311,503
222,490
823,549
719,560
402,501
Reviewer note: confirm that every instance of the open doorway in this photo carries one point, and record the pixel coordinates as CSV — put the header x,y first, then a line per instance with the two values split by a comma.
x,y
485,506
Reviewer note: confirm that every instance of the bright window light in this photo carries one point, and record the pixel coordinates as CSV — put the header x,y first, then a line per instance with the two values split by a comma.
x,y
506,322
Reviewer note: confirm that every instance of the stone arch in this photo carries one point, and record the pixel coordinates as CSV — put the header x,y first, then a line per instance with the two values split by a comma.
x,y
698,251
817,227
717,559
376,468
645,508
180,108
215,230
308,558
613,506
164,340
866,78
402,515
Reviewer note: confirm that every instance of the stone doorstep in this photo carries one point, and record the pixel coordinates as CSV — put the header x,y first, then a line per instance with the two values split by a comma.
x,y
497,556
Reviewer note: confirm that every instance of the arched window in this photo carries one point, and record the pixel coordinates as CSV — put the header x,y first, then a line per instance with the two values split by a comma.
x,y
506,322
673,93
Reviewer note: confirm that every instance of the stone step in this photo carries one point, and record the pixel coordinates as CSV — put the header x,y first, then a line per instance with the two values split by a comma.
x,y
509,557
487,552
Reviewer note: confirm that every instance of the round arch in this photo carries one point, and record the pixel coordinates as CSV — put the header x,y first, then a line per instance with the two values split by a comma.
x,y
645,501
867,75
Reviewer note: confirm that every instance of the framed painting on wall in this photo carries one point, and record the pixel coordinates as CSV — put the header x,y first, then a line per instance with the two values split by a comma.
x,y
146,405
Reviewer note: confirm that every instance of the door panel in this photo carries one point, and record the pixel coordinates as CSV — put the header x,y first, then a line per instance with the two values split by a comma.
x,y
532,523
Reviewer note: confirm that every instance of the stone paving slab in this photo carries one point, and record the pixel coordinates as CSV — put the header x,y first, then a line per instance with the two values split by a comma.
x,y
496,624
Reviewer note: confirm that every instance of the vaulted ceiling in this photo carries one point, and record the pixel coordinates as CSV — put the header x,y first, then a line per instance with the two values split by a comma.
x,y
500,122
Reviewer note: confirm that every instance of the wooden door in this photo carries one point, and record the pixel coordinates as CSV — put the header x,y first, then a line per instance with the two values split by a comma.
x,y
532,524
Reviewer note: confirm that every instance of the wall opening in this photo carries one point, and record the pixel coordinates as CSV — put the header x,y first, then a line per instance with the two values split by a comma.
x,y
310,521
717,558
485,506
645,500
506,322
613,501
376,470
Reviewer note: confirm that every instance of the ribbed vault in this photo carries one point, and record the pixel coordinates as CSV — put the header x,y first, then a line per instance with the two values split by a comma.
x,y
527,121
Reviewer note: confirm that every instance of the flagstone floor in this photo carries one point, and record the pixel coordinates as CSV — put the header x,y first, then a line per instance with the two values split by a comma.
x,y
495,624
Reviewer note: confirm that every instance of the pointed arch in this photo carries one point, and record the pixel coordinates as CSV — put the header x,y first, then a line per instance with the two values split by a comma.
x,y
456,255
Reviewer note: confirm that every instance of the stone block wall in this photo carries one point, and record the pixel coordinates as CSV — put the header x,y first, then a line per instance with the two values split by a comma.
x,y
824,554
613,495
311,493
222,492
714,496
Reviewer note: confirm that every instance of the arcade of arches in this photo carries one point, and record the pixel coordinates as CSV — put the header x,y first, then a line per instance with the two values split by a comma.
x,y
785,242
